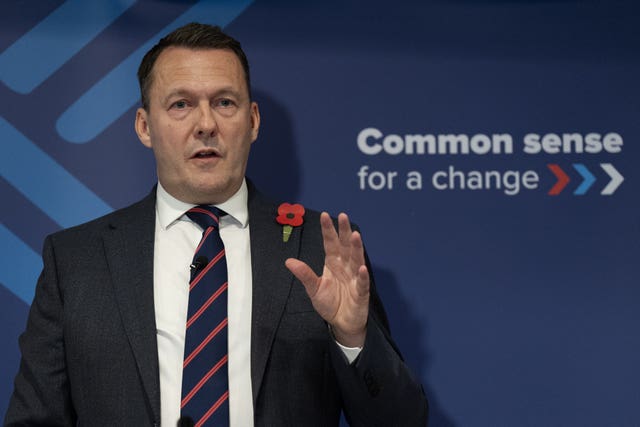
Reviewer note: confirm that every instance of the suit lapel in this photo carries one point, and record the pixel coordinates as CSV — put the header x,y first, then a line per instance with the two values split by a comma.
x,y
271,280
129,250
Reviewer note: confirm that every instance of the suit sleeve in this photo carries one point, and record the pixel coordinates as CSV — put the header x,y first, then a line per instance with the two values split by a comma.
x,y
378,389
41,393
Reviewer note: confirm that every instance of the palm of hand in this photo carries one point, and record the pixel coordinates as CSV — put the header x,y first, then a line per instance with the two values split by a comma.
x,y
341,294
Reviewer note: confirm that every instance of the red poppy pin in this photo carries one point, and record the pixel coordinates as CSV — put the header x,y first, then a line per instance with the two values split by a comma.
x,y
289,216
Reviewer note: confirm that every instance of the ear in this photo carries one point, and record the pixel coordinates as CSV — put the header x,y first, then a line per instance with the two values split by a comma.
x,y
255,121
142,127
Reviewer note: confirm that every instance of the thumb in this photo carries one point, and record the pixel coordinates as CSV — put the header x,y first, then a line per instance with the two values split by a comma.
x,y
304,274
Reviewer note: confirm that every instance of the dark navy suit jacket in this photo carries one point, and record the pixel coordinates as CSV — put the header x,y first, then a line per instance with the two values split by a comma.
x,y
89,353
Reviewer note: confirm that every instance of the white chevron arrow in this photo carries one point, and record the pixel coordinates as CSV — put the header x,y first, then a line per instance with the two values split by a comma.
x,y
616,179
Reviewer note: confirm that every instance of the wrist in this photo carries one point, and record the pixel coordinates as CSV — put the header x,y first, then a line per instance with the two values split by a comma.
x,y
353,340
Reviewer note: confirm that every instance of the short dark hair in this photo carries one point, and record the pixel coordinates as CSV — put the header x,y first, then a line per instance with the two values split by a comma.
x,y
194,36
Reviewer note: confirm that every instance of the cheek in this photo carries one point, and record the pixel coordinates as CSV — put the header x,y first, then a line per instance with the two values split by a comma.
x,y
167,153
172,139
242,151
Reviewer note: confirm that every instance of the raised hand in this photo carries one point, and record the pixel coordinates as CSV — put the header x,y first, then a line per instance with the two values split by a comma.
x,y
341,294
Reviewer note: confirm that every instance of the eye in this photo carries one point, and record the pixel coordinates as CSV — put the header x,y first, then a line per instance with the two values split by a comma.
x,y
225,103
179,104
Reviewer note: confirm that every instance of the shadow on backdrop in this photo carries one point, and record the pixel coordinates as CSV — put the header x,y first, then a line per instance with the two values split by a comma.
x,y
273,162
408,331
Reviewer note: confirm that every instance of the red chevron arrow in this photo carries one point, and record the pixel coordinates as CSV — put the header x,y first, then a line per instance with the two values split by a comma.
x,y
563,179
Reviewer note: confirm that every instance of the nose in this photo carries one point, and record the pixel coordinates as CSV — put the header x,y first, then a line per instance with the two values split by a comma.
x,y
206,126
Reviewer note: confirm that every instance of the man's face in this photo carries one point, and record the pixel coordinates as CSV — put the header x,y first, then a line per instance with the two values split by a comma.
x,y
200,123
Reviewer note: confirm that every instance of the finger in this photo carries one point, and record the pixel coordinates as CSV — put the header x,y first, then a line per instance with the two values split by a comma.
x,y
344,229
357,250
304,274
329,235
363,283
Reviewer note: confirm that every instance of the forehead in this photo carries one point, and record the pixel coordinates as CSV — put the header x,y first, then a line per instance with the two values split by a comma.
x,y
180,67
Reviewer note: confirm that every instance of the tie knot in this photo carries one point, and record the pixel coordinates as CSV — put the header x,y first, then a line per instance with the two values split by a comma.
x,y
205,216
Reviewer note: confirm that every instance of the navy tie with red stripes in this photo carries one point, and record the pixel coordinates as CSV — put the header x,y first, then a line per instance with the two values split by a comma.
x,y
205,380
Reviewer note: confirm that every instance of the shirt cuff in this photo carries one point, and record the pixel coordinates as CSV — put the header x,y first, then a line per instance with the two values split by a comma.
x,y
351,353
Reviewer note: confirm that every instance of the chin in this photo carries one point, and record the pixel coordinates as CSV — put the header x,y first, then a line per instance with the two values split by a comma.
x,y
212,194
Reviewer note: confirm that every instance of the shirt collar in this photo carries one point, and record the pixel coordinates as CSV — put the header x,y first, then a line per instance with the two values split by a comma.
x,y
169,209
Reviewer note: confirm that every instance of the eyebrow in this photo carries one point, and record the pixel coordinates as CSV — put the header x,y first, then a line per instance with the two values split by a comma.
x,y
180,92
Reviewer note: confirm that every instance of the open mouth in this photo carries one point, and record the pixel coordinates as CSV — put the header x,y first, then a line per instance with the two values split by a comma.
x,y
205,154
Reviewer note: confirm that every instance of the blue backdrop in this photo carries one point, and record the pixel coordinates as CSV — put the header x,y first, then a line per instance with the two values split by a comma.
x,y
486,149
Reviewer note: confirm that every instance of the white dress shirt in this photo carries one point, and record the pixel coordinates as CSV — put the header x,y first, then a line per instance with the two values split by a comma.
x,y
176,239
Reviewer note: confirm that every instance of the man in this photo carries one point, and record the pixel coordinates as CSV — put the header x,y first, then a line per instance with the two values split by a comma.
x,y
105,339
